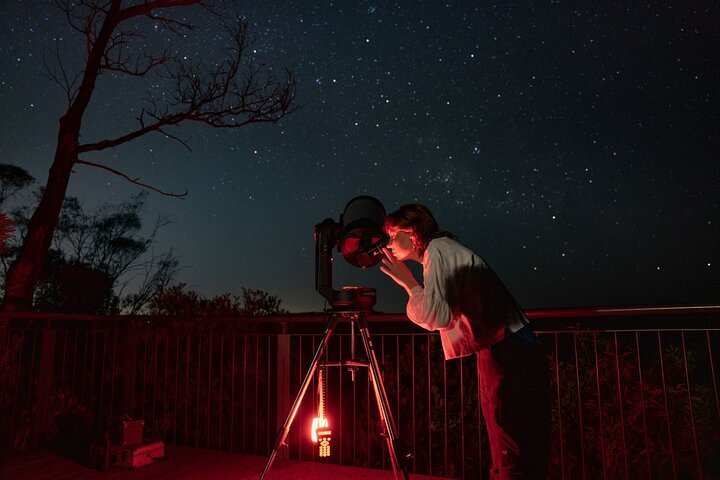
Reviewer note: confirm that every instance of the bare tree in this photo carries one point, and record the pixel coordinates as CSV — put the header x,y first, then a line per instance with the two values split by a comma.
x,y
155,275
230,94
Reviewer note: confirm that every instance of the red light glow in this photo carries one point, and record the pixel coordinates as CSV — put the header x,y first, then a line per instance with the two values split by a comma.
x,y
317,423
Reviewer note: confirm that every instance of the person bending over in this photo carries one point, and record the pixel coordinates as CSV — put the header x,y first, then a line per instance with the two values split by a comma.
x,y
463,298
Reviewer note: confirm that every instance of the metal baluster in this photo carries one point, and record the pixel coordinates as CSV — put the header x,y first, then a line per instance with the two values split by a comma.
x,y
692,416
580,415
667,410
559,404
642,401
600,412
620,402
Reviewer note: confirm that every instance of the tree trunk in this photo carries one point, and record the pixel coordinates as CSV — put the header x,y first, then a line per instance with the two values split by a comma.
x,y
25,272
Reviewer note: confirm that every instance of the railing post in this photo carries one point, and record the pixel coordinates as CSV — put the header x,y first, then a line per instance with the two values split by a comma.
x,y
45,381
283,383
129,372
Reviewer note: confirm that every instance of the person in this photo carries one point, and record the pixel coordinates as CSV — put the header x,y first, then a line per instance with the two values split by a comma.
x,y
463,298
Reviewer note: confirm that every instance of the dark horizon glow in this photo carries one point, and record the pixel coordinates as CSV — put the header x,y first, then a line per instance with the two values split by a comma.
x,y
576,149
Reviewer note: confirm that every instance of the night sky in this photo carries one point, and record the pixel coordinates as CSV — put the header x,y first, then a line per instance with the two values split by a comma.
x,y
575,147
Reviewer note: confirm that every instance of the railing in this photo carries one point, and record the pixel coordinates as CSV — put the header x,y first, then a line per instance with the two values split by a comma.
x,y
635,391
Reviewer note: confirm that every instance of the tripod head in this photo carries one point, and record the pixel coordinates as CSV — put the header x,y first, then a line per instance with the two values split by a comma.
x,y
359,236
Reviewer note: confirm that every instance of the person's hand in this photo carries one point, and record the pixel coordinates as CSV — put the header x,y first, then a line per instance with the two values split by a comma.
x,y
398,271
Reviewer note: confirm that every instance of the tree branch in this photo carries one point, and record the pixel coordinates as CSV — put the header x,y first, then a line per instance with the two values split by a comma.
x,y
234,93
61,79
116,58
157,126
149,6
131,180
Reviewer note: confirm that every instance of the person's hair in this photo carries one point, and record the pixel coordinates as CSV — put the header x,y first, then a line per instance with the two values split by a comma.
x,y
420,220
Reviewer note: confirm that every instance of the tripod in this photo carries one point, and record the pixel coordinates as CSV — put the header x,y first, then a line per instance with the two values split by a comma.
x,y
390,433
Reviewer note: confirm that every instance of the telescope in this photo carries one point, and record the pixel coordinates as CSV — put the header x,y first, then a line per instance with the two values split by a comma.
x,y
360,238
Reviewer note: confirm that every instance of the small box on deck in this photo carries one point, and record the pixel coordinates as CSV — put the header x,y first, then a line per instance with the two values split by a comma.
x,y
136,455
125,431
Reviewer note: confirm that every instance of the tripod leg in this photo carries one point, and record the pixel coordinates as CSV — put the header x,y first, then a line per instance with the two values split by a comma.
x,y
382,401
282,435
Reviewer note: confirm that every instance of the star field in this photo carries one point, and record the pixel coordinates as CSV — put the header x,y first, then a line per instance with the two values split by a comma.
x,y
574,147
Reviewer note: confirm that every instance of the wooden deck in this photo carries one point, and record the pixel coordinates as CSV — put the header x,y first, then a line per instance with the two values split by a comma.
x,y
184,463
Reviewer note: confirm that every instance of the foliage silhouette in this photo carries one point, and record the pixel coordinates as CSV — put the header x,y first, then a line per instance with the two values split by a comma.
x,y
95,256
180,301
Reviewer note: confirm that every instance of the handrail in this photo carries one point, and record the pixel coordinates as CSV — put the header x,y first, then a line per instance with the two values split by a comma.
x,y
587,312
313,317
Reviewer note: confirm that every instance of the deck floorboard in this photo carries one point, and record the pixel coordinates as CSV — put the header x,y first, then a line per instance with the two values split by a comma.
x,y
185,463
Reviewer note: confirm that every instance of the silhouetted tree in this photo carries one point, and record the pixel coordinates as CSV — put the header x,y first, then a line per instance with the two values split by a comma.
x,y
156,274
107,238
180,301
102,248
74,288
258,303
229,94
12,180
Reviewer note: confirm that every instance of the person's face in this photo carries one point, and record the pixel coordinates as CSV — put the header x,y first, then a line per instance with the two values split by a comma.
x,y
400,243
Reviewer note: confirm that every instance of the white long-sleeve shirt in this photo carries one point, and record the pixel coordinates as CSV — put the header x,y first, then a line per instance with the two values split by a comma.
x,y
463,298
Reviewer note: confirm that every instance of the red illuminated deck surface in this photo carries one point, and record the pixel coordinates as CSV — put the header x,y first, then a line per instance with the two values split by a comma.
x,y
184,463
